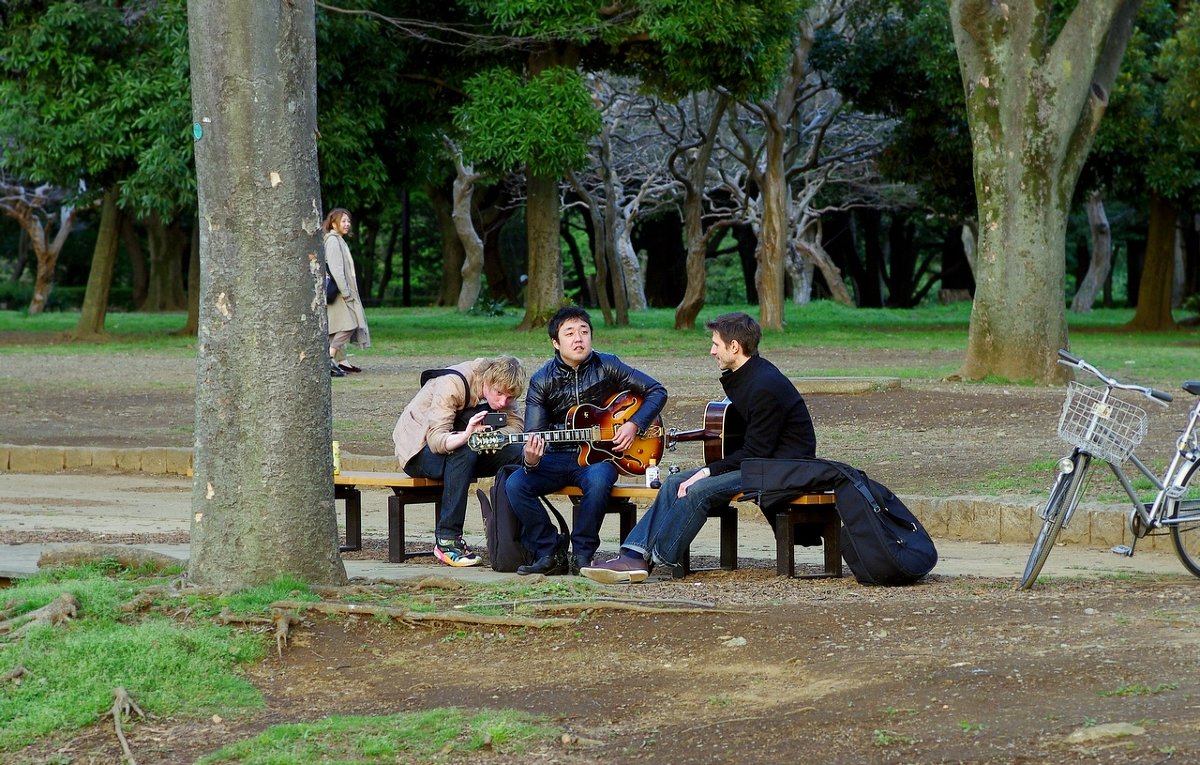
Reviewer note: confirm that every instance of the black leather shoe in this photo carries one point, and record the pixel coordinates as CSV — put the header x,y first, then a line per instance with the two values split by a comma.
x,y
548,565
336,371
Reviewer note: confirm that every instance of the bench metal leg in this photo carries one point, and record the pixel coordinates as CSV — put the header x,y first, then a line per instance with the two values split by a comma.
x,y
353,500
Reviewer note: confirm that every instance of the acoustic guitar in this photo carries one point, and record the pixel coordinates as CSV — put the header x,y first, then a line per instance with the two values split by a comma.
x,y
723,433
593,428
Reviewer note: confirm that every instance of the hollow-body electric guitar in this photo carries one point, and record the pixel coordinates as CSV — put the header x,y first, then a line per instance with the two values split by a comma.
x,y
593,428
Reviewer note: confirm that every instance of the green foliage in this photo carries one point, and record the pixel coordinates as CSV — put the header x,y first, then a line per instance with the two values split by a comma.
x,y
409,737
1148,138
543,123
898,60
167,668
99,92
705,44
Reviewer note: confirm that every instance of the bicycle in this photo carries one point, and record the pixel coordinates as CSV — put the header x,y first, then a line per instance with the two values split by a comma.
x,y
1101,426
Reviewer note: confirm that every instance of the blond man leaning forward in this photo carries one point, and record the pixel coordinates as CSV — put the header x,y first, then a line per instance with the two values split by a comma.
x,y
432,433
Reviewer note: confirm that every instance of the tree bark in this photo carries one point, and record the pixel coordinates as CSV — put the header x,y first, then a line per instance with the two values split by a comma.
x,y
544,288
104,258
453,255
1154,293
693,215
193,284
1101,260
26,208
137,261
164,290
1034,102
262,497
472,246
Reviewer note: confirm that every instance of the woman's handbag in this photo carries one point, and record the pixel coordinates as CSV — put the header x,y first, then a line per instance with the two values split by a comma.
x,y
331,287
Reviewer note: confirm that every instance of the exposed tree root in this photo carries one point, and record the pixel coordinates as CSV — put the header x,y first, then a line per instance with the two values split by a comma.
x,y
413,617
283,619
439,583
123,706
57,611
601,605
129,557
16,675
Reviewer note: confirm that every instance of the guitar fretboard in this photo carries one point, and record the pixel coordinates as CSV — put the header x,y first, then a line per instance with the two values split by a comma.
x,y
574,435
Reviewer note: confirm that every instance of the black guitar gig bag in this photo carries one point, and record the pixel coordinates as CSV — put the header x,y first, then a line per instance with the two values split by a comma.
x,y
882,541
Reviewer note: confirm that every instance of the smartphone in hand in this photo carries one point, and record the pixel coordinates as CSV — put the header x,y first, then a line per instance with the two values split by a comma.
x,y
495,419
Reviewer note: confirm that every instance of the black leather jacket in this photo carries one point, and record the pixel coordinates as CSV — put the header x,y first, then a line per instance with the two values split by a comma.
x,y
557,387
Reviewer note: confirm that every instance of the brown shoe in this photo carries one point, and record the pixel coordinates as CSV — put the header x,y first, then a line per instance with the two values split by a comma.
x,y
618,571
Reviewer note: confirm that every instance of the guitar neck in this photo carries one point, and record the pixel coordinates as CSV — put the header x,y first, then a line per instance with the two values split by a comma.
x,y
568,436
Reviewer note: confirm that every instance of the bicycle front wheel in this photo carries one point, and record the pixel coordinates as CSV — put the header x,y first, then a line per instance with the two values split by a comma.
x,y
1185,529
1064,497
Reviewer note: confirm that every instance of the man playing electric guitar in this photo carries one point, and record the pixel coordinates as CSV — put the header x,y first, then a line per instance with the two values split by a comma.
x,y
576,375
777,425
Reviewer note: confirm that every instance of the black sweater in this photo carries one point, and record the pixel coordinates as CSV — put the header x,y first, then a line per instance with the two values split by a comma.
x,y
778,424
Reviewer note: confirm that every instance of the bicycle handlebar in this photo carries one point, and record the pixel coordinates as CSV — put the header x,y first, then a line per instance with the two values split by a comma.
x,y
1157,396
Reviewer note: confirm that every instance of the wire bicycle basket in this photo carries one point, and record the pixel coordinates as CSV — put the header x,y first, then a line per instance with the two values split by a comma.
x,y
1096,422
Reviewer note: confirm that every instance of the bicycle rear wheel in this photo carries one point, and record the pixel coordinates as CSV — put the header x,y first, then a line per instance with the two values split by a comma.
x,y
1064,497
1185,529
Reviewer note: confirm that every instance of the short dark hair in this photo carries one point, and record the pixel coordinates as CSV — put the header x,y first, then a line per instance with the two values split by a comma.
x,y
566,313
737,326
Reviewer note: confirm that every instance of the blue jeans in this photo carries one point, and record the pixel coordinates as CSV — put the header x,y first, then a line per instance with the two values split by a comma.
x,y
457,470
556,470
672,522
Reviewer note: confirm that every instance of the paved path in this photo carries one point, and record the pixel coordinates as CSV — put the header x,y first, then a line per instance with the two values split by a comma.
x,y
122,504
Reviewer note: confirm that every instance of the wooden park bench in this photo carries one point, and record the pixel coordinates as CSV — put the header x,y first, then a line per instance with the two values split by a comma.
x,y
816,510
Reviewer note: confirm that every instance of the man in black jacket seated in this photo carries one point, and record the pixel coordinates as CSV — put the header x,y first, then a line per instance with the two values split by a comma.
x,y
576,375
777,425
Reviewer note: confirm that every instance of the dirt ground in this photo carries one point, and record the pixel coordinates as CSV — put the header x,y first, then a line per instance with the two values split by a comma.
x,y
952,670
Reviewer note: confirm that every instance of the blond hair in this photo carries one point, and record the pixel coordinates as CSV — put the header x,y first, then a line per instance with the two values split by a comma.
x,y
503,374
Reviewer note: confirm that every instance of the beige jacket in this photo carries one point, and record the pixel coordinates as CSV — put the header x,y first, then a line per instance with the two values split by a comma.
x,y
345,312
429,417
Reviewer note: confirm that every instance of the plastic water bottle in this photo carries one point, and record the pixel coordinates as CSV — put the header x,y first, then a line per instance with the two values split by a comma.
x,y
652,479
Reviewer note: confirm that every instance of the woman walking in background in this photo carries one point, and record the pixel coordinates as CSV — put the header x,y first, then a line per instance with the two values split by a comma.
x,y
347,322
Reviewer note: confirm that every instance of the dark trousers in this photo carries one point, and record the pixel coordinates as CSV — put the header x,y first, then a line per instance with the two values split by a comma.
x,y
556,470
457,470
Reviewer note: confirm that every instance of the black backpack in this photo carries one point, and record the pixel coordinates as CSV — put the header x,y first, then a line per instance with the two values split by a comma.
x,y
505,551
882,541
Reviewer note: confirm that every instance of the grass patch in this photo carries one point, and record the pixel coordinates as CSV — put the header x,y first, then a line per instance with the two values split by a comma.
x,y
1152,358
408,737
1137,689
168,668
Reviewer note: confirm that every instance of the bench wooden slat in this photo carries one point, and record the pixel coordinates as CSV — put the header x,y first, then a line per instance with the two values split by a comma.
x,y
387,480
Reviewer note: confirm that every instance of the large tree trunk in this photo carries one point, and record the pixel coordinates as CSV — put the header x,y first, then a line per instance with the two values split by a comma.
x,y
1033,109
1154,293
1101,260
104,258
544,288
262,497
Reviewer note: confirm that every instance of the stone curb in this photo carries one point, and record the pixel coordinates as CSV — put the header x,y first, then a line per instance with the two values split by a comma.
x,y
982,519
